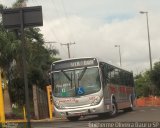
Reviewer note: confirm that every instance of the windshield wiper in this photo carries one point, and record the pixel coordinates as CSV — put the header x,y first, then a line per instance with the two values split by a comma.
x,y
82,73
70,79
66,75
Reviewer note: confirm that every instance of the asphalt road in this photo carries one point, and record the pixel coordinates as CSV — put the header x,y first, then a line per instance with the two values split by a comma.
x,y
149,115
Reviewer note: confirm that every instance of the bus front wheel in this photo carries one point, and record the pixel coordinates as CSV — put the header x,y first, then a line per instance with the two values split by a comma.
x,y
73,118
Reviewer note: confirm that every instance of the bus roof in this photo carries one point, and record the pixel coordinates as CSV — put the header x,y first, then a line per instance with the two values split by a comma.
x,y
98,60
74,63
116,67
58,61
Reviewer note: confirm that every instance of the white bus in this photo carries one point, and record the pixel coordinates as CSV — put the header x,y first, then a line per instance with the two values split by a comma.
x,y
86,86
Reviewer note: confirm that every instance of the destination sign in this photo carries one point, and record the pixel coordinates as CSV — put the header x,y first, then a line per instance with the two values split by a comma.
x,y
75,63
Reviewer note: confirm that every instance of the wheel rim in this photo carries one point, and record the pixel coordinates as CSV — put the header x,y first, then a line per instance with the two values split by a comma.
x,y
113,109
132,106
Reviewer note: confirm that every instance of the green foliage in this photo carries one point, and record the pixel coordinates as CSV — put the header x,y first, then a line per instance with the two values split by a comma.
x,y
8,47
18,3
155,78
155,75
1,6
18,112
148,83
38,59
34,35
143,85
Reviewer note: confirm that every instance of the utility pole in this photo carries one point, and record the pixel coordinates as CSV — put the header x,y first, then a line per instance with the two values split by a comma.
x,y
68,46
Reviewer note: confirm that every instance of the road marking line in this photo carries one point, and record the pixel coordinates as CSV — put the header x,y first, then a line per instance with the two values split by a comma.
x,y
153,109
142,110
41,127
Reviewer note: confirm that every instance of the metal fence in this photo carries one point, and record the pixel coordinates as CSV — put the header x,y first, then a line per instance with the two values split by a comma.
x,y
148,101
40,101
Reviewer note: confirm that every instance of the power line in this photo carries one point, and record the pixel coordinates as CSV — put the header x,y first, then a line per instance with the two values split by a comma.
x,y
52,49
58,15
49,44
59,7
52,3
52,30
68,47
67,18
57,12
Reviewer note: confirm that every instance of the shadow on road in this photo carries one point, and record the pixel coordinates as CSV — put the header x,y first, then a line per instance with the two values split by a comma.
x,y
102,117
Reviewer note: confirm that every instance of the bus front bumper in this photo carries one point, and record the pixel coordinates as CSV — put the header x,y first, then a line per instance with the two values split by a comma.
x,y
82,111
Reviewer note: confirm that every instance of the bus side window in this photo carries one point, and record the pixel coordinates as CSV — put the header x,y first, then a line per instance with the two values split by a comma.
x,y
112,75
105,74
117,77
130,80
121,77
107,67
127,79
102,66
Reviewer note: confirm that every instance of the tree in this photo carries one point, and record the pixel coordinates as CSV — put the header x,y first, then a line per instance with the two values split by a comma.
x,y
38,59
155,76
142,85
19,3
7,50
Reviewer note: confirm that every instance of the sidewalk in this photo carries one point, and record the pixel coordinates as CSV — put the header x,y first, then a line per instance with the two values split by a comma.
x,y
34,121
49,120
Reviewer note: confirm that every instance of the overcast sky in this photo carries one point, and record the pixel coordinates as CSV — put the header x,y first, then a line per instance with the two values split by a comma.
x,y
96,26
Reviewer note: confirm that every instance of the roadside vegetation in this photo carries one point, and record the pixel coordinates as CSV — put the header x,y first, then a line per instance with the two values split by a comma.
x,y
148,83
38,60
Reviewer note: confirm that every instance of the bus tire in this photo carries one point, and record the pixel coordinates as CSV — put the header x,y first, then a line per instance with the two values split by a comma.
x,y
114,109
132,106
73,118
102,115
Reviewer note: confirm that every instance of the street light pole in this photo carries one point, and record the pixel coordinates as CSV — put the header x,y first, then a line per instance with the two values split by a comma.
x,y
27,100
150,57
119,54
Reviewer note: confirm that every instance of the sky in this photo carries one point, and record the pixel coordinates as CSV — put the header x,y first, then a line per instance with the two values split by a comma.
x,y
96,26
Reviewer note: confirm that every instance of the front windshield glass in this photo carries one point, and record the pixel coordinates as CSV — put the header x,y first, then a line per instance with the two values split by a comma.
x,y
67,83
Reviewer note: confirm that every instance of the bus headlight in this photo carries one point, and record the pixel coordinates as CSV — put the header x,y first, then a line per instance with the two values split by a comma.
x,y
96,100
58,105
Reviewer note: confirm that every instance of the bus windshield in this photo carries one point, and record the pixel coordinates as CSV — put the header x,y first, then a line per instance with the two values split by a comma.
x,y
68,83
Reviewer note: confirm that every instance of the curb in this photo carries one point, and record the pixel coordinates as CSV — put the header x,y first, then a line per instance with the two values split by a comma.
x,y
48,120
34,121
